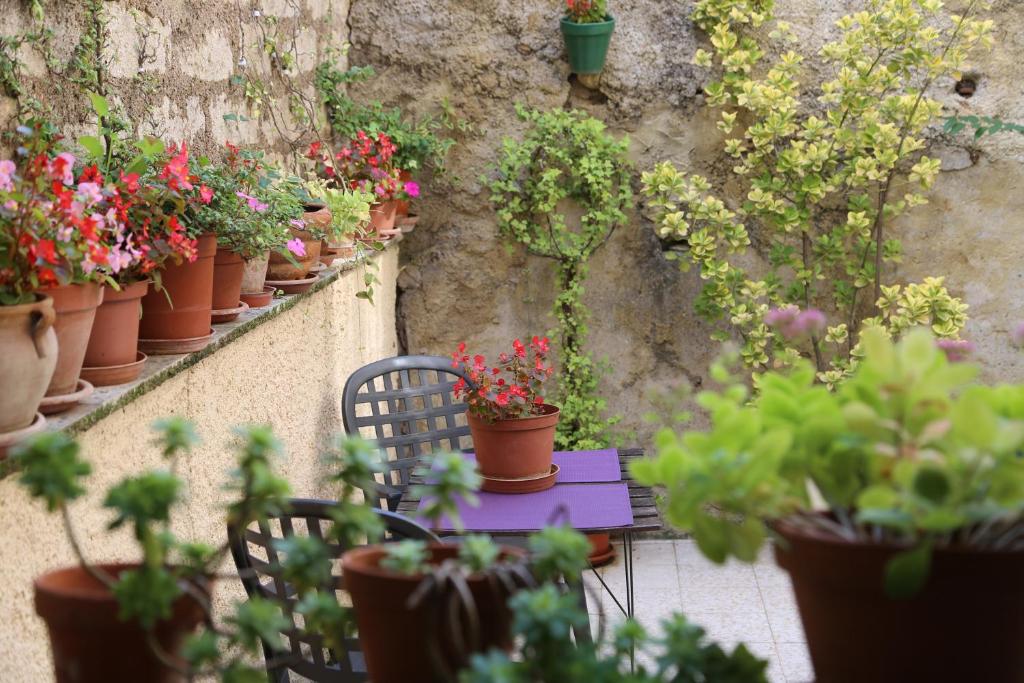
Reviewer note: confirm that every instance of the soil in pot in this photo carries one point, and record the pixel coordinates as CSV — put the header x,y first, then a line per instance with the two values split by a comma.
x,y
515,449
395,639
254,273
280,268
965,625
75,306
115,332
29,358
181,310
587,44
382,217
228,268
90,643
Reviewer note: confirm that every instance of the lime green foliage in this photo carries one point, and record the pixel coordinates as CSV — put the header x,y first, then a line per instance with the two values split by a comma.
x,y
545,616
907,450
566,156
824,167
406,557
350,209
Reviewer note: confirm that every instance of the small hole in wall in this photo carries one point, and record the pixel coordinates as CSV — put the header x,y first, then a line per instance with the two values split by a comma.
x,y
966,86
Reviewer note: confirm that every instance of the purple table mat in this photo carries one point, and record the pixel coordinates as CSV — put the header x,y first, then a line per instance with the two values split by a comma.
x,y
584,467
587,466
589,506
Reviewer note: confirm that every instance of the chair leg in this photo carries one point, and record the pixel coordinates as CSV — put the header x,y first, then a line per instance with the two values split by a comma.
x,y
583,634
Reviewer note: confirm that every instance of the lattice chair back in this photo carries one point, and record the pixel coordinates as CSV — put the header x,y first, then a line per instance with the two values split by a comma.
x,y
406,405
256,559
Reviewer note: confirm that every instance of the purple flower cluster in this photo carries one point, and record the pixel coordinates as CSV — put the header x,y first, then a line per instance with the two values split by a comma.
x,y
792,323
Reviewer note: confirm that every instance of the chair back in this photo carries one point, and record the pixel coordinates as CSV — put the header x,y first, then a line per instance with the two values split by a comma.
x,y
407,406
257,561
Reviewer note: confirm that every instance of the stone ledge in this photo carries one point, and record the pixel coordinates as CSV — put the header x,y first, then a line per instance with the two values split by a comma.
x,y
158,369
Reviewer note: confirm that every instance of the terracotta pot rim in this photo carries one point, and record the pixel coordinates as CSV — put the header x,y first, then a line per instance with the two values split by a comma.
x,y
821,537
548,417
366,560
88,294
136,289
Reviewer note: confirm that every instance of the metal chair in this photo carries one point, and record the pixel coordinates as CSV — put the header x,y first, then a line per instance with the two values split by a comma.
x,y
406,405
257,562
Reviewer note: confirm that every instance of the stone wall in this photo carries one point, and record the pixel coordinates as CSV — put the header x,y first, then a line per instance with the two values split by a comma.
x,y
459,283
289,372
175,69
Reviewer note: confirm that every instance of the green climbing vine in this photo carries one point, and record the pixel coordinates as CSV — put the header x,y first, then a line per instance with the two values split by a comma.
x,y
566,156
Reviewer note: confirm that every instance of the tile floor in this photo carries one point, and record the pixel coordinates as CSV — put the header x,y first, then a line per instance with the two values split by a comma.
x,y
734,603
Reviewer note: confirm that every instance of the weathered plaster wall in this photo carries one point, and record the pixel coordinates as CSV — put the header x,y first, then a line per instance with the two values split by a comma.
x,y
460,284
289,372
175,68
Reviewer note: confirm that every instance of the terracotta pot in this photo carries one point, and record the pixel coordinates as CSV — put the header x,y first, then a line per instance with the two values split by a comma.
x,y
189,286
513,449
382,217
89,641
402,205
396,639
318,215
965,625
254,273
228,268
28,359
280,268
602,552
75,306
115,332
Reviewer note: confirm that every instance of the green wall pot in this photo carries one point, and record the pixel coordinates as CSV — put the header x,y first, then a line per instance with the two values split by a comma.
x,y
587,44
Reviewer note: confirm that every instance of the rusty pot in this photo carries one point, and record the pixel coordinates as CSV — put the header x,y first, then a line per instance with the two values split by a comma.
x,y
228,269
89,641
115,332
179,311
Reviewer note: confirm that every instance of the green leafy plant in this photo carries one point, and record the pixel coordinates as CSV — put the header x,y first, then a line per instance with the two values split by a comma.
x,y
169,568
824,170
908,451
980,125
566,156
545,616
350,209
421,144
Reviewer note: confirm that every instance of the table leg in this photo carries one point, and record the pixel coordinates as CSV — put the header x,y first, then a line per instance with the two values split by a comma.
x,y
627,552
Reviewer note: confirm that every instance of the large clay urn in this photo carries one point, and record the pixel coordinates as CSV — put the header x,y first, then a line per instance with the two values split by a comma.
x,y
27,362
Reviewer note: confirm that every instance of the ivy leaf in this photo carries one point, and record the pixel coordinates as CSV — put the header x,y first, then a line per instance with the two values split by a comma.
x,y
93,145
99,104
907,572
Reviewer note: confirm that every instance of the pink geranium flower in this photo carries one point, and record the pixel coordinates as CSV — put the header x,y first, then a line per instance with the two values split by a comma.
x,y
297,247
412,189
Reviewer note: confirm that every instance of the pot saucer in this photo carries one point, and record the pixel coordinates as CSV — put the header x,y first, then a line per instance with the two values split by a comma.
x,y
407,223
328,255
62,402
9,439
539,482
226,315
260,299
115,374
294,286
169,347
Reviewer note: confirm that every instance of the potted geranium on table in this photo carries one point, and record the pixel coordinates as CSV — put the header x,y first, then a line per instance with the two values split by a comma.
x,y
587,29
513,428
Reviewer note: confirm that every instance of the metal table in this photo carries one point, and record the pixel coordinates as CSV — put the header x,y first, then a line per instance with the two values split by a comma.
x,y
645,519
